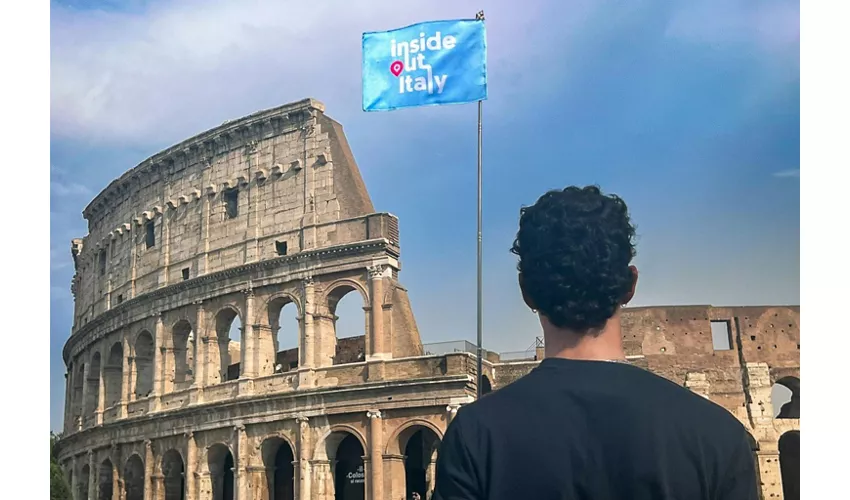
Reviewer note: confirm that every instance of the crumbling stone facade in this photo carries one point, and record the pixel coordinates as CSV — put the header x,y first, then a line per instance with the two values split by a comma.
x,y
269,210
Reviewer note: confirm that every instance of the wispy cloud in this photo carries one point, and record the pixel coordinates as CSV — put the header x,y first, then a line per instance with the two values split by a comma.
x,y
788,173
60,188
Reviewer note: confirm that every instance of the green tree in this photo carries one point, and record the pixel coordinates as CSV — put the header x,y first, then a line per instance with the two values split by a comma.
x,y
59,489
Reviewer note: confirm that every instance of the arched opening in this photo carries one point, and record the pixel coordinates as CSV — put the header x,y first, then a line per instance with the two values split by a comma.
x,y
789,464
173,475
420,446
785,397
83,482
486,386
106,480
349,324
349,473
93,386
134,478
278,460
77,403
220,463
228,328
143,365
286,331
182,355
112,375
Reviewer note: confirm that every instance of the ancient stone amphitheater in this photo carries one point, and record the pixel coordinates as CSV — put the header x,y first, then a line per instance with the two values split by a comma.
x,y
270,210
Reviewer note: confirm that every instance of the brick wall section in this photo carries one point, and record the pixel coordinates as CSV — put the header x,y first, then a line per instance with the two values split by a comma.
x,y
350,350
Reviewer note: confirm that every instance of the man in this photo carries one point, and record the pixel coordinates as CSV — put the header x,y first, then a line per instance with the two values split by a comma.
x,y
585,424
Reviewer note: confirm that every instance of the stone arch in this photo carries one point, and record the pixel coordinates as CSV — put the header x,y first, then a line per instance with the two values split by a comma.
x,y
77,402
173,472
348,340
107,480
486,385
134,478
93,386
142,371
278,456
789,464
785,397
112,374
229,351
220,463
180,362
284,330
339,461
418,442
83,482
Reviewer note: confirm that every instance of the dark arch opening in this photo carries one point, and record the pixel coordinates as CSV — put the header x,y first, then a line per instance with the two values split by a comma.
x,y
83,482
174,477
486,386
789,464
420,451
278,459
286,331
183,355
112,375
143,363
785,397
93,386
134,478
220,463
228,328
346,307
349,474
106,480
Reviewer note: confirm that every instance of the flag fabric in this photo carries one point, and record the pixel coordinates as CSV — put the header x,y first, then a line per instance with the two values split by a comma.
x,y
425,64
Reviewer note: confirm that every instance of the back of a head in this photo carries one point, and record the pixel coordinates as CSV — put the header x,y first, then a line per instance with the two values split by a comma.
x,y
575,247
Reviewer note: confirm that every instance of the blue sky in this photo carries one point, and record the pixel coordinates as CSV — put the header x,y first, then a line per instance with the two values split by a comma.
x,y
688,110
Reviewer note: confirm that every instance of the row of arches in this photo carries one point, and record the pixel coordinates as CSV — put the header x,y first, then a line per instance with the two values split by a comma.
x,y
281,330
342,453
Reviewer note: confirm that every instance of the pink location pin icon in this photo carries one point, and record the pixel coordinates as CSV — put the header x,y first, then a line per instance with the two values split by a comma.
x,y
396,68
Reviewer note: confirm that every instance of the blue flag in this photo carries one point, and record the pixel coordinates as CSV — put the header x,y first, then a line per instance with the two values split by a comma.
x,y
426,64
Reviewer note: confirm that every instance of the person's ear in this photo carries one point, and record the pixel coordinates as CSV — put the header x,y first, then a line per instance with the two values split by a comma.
x,y
631,293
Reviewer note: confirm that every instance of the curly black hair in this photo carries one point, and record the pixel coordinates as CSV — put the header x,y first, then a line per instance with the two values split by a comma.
x,y
575,247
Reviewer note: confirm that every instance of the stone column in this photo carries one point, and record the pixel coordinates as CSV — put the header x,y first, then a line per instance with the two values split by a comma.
x,y
322,481
307,349
66,414
204,486
74,478
376,443
165,254
148,471
376,311
158,365
248,369
241,466
199,370
85,397
158,481
93,476
191,464
101,389
302,470
125,376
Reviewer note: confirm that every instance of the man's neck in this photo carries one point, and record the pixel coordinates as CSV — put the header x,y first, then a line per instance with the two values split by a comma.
x,y
604,345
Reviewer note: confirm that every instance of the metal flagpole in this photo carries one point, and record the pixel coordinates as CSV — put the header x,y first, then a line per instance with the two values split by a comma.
x,y
480,325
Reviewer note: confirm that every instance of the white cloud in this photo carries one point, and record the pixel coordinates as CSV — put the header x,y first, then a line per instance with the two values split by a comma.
x,y
788,173
179,67
60,188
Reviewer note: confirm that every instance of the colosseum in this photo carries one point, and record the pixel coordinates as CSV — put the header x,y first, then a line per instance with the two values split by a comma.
x,y
269,211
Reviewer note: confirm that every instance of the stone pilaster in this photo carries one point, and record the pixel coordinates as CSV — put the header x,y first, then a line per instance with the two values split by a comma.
x,y
85,396
302,470
75,472
148,471
191,465
125,376
92,493
158,365
248,369
376,442
241,466
376,318
101,392
307,349
199,371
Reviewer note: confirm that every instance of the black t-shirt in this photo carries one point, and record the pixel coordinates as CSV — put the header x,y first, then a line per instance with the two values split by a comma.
x,y
595,430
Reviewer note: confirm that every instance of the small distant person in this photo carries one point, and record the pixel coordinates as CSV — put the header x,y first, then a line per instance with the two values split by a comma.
x,y
586,424
415,496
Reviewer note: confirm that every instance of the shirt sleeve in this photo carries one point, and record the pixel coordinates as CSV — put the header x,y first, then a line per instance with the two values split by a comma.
x,y
457,478
741,480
